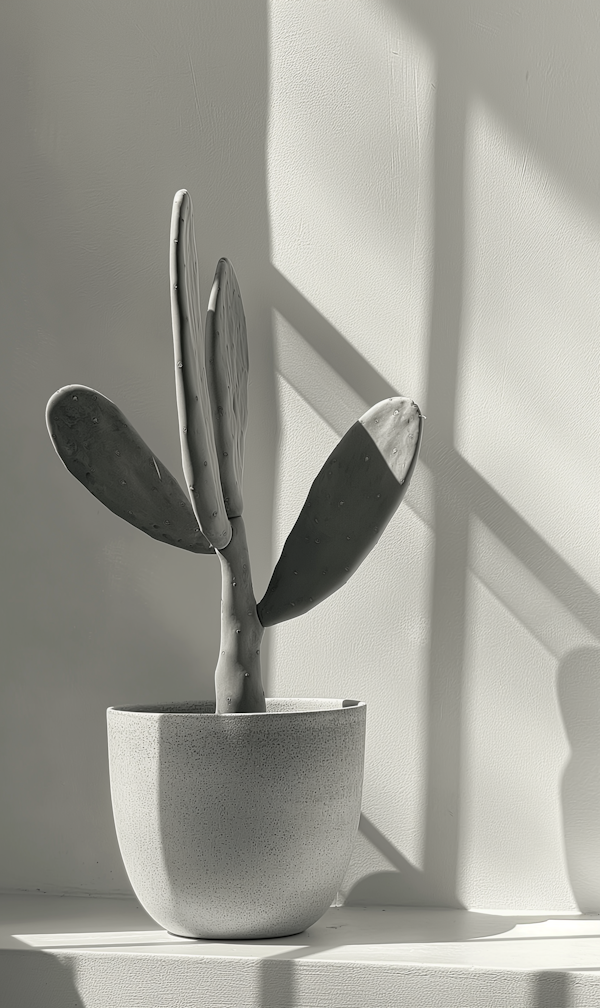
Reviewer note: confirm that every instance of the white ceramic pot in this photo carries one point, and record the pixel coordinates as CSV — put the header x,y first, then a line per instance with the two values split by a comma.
x,y
237,825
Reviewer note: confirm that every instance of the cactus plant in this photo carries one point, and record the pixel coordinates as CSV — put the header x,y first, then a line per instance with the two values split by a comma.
x,y
348,506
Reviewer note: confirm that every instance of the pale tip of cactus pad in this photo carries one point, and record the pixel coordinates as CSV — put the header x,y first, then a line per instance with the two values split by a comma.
x,y
395,426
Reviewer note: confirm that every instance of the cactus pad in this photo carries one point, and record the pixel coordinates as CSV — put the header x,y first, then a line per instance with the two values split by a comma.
x,y
103,451
348,506
199,456
227,372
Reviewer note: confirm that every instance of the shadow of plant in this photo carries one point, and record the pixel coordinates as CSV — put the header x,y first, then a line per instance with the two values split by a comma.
x,y
36,980
578,687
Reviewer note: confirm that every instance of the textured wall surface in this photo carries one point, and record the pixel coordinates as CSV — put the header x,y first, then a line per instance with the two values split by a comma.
x,y
409,194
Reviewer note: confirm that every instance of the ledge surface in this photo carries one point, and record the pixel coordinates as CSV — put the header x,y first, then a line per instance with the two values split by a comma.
x,y
70,952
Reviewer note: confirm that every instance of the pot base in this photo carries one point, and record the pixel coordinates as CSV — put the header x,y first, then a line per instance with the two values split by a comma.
x,y
234,938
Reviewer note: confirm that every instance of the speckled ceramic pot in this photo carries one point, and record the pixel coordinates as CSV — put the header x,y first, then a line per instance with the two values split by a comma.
x,y
237,825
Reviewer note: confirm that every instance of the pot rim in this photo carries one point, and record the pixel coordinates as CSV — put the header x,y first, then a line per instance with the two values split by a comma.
x,y
154,710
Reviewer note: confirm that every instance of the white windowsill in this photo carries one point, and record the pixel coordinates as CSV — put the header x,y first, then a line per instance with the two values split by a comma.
x,y
70,952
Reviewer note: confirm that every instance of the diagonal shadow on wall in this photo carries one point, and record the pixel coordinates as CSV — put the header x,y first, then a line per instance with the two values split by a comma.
x,y
460,492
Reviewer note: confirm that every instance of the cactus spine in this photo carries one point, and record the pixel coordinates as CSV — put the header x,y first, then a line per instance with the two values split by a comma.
x,y
348,506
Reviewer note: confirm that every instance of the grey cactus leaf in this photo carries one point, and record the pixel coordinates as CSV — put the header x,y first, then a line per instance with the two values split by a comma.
x,y
348,506
103,451
198,451
227,374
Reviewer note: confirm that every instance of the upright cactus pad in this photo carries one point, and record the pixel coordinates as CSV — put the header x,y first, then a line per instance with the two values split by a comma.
x,y
199,456
348,506
102,450
227,372
212,406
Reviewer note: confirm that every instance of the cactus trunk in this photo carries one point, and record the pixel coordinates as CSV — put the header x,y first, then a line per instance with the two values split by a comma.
x,y
237,677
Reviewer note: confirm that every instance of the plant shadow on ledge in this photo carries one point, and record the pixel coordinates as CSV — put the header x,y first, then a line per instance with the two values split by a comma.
x,y
236,818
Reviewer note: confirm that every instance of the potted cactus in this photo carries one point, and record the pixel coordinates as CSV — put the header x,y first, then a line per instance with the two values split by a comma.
x,y
236,817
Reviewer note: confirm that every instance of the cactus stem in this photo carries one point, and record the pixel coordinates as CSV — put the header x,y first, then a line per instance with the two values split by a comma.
x,y
238,683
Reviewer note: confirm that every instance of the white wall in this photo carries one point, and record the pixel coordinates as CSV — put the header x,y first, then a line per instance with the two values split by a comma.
x,y
409,194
